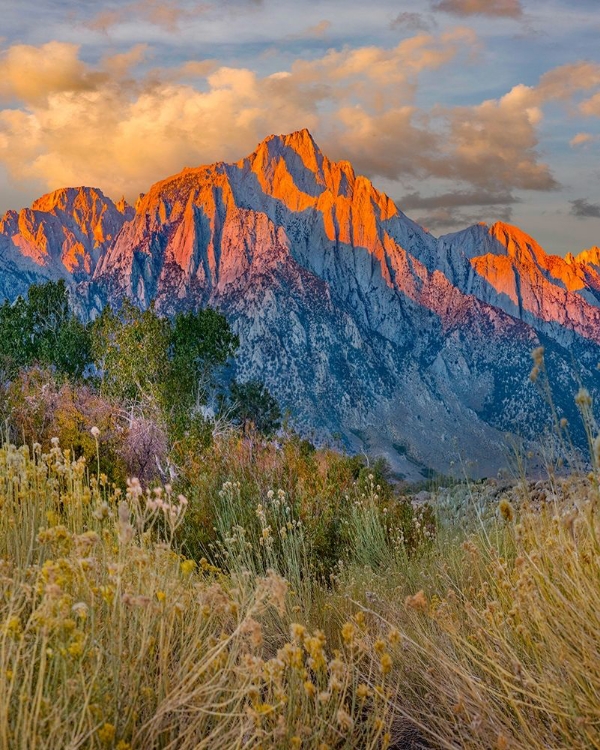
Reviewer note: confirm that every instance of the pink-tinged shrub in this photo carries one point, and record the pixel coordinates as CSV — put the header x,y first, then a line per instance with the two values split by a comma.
x,y
145,449
39,407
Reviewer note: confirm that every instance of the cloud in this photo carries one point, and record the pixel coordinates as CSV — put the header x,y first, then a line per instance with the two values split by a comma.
x,y
31,73
583,209
591,107
446,210
386,67
494,144
562,82
498,8
318,31
99,125
118,66
77,123
166,14
581,139
407,21
448,218
456,199
105,20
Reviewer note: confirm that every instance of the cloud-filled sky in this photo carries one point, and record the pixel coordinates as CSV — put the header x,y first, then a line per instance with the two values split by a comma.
x,y
461,110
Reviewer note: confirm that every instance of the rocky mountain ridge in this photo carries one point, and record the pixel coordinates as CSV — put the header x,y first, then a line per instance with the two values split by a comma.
x,y
358,319
62,235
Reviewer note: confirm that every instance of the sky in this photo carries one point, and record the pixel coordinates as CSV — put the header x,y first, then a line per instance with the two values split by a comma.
x,y
460,110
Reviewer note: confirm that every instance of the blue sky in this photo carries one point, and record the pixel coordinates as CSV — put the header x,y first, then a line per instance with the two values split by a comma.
x,y
461,110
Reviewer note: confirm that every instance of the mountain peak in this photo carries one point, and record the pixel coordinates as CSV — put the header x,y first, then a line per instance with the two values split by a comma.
x,y
65,231
503,231
122,206
65,198
518,243
299,140
590,256
300,144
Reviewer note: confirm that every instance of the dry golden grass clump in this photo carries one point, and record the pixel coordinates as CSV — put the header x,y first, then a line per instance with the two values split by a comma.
x,y
112,637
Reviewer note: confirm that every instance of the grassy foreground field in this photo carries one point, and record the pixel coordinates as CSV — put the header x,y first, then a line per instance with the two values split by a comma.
x,y
117,631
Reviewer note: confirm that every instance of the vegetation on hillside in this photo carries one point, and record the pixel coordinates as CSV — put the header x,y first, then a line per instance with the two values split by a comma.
x,y
152,385
114,635
172,576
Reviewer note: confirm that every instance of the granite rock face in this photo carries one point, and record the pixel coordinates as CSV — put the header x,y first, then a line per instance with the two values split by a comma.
x,y
62,235
361,323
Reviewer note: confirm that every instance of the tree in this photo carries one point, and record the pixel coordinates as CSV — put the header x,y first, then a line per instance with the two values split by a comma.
x,y
131,351
44,330
251,402
144,358
200,342
14,353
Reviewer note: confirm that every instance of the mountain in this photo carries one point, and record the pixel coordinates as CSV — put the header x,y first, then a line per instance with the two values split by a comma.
x,y
62,235
507,268
361,323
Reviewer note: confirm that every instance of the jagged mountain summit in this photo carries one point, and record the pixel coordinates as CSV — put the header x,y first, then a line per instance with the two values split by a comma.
x,y
62,235
360,321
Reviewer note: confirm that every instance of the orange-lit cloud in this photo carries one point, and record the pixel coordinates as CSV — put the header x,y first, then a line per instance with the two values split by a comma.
x,y
494,143
581,139
31,73
317,31
167,14
498,8
591,106
98,125
561,83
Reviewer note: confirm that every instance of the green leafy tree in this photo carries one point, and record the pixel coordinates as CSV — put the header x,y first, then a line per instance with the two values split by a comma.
x,y
131,351
14,353
44,330
251,402
200,342
147,359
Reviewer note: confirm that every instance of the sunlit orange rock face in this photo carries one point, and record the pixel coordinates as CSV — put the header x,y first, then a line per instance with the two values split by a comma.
x,y
511,271
206,229
65,232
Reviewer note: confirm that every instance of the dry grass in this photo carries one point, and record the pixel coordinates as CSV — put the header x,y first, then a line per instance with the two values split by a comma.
x,y
485,637
109,638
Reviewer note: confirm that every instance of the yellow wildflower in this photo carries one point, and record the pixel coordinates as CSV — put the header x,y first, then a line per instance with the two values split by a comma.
x,y
106,734
187,567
